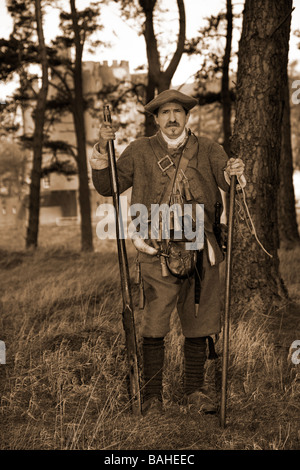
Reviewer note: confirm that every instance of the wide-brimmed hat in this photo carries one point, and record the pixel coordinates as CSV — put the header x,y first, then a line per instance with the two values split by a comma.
x,y
167,96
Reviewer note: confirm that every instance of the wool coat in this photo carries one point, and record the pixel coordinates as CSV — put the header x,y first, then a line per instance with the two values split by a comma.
x,y
138,168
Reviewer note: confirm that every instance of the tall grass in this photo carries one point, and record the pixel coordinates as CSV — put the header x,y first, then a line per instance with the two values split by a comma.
x,y
64,385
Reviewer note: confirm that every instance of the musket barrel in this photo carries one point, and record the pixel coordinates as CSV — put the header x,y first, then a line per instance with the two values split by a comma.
x,y
128,314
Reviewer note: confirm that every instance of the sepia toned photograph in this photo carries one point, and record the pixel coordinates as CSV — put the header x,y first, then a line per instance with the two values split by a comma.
x,y
149,228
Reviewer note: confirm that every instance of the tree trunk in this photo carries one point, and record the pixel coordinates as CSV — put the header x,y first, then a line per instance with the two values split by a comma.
x,y
159,80
263,55
225,92
38,136
78,116
287,219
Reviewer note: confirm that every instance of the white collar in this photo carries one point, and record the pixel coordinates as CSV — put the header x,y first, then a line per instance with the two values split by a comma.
x,y
175,142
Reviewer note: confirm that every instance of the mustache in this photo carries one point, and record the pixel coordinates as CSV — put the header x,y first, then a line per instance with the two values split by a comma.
x,y
172,124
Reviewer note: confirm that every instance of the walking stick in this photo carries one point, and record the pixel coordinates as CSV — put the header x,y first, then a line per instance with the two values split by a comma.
x,y
127,314
227,302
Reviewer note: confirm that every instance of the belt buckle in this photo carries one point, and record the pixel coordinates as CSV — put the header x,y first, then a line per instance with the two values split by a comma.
x,y
168,164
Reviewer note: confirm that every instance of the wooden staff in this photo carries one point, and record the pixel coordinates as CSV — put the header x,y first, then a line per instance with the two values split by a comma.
x,y
227,302
127,314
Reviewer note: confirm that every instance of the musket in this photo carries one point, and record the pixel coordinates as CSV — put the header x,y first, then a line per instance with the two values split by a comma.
x,y
128,313
227,303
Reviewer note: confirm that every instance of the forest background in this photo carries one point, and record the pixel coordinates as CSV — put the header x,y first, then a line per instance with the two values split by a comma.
x,y
64,382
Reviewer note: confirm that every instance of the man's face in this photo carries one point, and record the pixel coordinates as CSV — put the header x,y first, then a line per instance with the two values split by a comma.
x,y
171,119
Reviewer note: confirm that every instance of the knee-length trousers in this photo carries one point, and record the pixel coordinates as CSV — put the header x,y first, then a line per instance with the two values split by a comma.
x,y
165,294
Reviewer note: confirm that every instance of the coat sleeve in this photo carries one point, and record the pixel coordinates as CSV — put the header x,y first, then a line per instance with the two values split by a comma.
x,y
218,160
101,178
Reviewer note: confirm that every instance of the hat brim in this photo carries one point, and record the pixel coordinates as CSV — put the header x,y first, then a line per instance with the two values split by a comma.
x,y
168,96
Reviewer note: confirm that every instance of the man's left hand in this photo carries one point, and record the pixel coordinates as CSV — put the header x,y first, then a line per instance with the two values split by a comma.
x,y
235,166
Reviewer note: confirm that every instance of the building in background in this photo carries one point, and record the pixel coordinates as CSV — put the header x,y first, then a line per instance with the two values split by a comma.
x,y
59,190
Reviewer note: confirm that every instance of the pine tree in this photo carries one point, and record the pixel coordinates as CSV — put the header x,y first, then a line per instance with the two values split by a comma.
x,y
17,53
158,77
263,55
38,135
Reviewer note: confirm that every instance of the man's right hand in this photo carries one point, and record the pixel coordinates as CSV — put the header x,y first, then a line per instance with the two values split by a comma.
x,y
106,133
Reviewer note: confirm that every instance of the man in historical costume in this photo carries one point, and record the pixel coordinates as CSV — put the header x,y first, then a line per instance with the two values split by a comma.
x,y
145,165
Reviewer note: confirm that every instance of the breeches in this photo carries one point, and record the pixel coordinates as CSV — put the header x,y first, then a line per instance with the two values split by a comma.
x,y
165,294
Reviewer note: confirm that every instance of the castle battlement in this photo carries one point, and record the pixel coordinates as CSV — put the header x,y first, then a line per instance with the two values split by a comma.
x,y
115,63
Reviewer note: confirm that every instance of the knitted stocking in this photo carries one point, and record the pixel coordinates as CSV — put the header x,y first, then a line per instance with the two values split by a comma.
x,y
153,360
194,360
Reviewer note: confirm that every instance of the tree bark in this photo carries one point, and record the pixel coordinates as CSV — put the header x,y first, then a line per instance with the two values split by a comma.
x,y
159,80
263,55
78,116
287,219
38,137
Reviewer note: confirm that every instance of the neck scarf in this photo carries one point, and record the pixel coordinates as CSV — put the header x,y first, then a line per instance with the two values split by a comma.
x,y
172,143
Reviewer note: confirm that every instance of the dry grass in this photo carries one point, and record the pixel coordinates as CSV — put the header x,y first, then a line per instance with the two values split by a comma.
x,y
64,384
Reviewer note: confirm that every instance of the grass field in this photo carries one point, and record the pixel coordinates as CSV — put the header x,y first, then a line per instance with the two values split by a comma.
x,y
64,382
